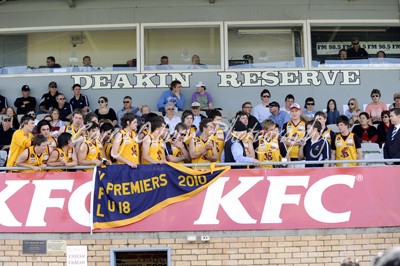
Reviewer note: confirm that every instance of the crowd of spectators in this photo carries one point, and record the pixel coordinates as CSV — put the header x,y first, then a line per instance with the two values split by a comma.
x,y
264,134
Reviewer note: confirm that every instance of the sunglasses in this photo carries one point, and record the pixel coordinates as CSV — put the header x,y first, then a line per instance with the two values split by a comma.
x,y
355,43
350,104
7,120
310,103
266,96
182,134
126,101
61,98
31,114
101,101
375,96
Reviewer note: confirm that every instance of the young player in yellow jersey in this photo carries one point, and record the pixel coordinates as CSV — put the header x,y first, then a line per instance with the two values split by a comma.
x,y
203,149
153,144
44,128
293,132
187,120
21,139
125,148
268,147
176,150
91,151
219,134
346,146
64,155
35,156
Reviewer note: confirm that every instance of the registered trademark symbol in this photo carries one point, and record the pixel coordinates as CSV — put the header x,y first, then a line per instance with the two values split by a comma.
x,y
359,178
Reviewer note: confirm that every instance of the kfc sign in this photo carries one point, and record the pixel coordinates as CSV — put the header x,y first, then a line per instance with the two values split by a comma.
x,y
256,199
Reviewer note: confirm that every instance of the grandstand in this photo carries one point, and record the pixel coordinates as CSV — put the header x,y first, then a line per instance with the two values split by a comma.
x,y
283,216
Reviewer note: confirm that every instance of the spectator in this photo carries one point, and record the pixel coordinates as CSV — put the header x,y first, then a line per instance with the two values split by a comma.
x,y
64,108
201,96
219,134
293,132
196,63
353,113
33,114
375,108
343,54
250,58
350,262
152,146
176,150
253,122
268,147
355,51
21,139
396,99
173,95
65,154
55,123
35,157
391,149
87,61
364,131
3,104
48,100
202,148
26,102
51,62
170,118
381,54
261,111
79,101
197,117
315,147
6,133
44,128
289,101
132,62
105,112
383,127
234,150
14,118
125,149
309,111
332,114
347,145
326,132
164,63
91,151
127,108
278,116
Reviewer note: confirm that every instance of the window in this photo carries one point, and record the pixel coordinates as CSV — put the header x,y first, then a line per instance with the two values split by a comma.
x,y
140,257
195,47
274,45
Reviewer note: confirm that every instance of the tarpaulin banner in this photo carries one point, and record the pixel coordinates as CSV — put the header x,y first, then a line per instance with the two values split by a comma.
x,y
125,195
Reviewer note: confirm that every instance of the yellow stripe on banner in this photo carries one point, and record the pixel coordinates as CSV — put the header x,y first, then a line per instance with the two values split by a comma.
x,y
165,203
191,171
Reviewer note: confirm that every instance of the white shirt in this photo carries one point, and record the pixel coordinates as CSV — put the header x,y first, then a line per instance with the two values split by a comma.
x,y
172,122
261,113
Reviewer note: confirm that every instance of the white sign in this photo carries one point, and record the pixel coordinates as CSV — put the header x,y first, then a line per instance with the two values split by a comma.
x,y
332,48
76,255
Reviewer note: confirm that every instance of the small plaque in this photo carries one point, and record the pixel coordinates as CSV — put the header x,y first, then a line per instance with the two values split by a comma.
x,y
56,246
34,247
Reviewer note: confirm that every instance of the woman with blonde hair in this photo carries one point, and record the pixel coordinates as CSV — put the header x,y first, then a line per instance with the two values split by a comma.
x,y
353,112
56,123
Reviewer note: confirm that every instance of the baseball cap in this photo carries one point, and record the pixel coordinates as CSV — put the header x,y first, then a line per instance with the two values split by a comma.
x,y
200,84
25,88
396,95
239,126
274,104
53,84
195,104
296,106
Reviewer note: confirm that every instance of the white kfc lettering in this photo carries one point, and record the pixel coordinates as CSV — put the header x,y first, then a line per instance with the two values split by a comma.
x,y
6,217
276,198
76,204
41,199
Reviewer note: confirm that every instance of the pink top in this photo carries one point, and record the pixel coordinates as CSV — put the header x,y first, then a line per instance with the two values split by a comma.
x,y
375,111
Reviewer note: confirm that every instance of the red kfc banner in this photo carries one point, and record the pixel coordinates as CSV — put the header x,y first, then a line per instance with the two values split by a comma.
x,y
239,200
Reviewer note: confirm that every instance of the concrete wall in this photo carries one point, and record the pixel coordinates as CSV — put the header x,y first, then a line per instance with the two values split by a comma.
x,y
290,248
